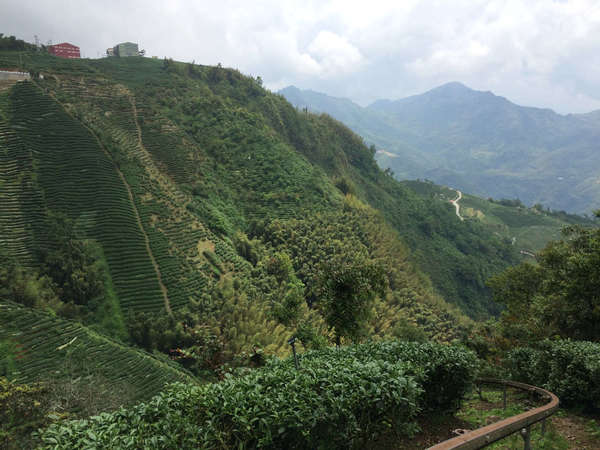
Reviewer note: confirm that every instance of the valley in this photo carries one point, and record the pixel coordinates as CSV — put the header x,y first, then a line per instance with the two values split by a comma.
x,y
478,142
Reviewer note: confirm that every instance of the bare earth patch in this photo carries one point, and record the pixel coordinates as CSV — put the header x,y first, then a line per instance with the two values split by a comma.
x,y
577,431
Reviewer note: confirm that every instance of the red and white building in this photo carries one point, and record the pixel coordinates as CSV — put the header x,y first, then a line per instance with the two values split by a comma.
x,y
64,50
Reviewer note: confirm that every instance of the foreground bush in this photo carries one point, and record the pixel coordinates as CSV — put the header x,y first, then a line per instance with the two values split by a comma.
x,y
445,373
570,369
337,399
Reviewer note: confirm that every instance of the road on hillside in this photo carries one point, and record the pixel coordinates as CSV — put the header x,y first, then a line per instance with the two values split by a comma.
x,y
455,203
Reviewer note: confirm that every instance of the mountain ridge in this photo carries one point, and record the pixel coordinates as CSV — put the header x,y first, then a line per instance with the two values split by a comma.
x,y
481,143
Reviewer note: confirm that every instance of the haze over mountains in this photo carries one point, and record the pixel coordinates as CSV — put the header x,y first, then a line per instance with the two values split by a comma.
x,y
478,142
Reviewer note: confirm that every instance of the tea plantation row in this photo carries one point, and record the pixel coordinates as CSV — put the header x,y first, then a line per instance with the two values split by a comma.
x,y
338,399
61,349
74,176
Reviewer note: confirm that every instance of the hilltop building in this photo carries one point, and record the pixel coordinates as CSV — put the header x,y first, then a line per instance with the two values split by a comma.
x,y
64,50
123,50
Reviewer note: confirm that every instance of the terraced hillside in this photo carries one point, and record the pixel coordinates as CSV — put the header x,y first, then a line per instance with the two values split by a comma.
x,y
72,174
181,175
49,348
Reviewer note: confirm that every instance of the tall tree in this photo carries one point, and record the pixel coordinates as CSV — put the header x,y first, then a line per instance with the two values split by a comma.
x,y
346,289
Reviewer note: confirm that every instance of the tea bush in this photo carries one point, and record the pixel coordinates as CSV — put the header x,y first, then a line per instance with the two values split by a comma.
x,y
570,369
338,399
444,372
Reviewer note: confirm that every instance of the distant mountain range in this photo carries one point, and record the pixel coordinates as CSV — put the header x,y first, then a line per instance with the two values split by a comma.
x,y
478,142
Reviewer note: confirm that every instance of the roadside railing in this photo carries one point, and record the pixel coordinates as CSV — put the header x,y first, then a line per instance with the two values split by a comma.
x,y
522,423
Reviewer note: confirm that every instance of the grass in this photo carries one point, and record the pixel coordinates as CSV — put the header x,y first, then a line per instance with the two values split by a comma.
x,y
481,413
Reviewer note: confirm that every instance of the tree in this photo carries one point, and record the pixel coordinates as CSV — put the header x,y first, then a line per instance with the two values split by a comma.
x,y
74,262
560,295
346,289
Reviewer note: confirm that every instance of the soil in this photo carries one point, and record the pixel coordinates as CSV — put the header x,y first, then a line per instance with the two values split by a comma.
x,y
576,431
435,429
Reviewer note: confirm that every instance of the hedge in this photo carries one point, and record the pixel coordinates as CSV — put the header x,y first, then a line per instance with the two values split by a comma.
x,y
338,399
570,369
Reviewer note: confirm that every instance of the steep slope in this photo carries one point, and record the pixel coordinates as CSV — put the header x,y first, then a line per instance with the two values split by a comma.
x,y
67,170
45,347
370,124
484,144
183,174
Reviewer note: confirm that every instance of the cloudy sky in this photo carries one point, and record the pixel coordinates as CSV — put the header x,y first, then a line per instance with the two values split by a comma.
x,y
534,52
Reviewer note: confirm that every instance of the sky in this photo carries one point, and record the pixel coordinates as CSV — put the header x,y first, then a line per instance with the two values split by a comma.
x,y
543,53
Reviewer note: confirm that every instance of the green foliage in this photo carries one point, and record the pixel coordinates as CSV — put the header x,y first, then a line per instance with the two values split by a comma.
x,y
78,181
44,346
160,174
570,369
360,233
338,399
12,43
73,263
407,331
278,408
27,286
560,295
8,353
346,290
445,372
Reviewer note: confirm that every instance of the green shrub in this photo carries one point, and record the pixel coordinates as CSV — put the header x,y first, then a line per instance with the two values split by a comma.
x,y
570,369
444,372
335,401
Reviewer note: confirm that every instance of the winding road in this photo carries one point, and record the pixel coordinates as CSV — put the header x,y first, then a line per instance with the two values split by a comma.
x,y
455,203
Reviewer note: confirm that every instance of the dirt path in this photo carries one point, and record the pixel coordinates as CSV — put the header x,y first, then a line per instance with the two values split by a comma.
x,y
138,218
163,288
456,205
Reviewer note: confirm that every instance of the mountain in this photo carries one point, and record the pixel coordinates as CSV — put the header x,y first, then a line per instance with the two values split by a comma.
x,y
370,124
483,144
184,210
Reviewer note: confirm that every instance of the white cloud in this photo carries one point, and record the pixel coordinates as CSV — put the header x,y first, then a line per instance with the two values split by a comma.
x,y
336,56
538,52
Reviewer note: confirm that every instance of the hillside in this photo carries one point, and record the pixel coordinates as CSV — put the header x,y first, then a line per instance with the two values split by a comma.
x,y
528,229
184,209
40,346
480,143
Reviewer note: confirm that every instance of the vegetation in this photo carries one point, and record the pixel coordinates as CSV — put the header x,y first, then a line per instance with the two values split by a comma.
x,y
38,346
346,291
12,43
570,369
558,296
337,399
479,413
445,372
187,211
478,142
186,237
528,229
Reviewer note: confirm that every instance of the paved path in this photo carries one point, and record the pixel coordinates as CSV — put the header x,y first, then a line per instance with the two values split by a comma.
x,y
456,205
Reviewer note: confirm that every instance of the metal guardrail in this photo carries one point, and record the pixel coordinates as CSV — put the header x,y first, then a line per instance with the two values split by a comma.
x,y
489,434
